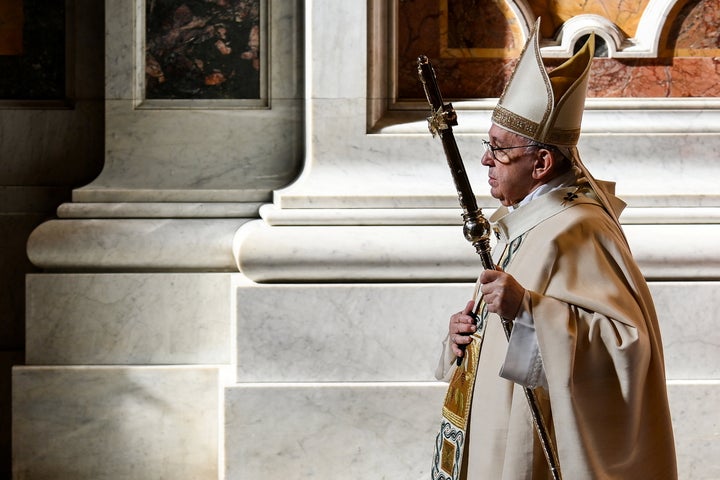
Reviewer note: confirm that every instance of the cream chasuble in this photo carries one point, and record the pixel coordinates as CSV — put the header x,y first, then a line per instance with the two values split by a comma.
x,y
600,349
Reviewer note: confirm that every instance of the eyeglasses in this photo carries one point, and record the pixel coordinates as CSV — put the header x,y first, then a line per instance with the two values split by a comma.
x,y
491,150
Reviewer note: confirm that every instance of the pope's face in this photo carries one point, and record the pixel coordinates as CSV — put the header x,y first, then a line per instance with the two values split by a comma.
x,y
510,176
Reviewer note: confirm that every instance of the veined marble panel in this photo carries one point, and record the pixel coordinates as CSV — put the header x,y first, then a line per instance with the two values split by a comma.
x,y
393,332
130,319
694,410
124,423
353,253
407,171
386,430
275,216
158,210
359,332
331,431
687,312
199,155
658,158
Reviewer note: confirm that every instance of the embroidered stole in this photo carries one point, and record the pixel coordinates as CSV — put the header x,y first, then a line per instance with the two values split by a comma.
x,y
450,441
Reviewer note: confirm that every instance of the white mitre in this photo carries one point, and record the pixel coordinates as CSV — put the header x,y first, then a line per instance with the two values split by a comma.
x,y
548,107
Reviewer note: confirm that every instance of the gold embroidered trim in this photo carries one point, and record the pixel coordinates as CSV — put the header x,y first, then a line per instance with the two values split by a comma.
x,y
458,399
512,121
448,456
505,118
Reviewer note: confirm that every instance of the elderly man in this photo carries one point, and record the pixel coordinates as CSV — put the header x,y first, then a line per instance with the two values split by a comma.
x,y
585,337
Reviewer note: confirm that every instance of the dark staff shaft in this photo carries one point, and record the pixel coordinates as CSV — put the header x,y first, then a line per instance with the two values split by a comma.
x,y
462,184
475,227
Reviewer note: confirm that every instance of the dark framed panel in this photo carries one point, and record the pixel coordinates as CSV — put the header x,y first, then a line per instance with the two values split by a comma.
x,y
35,53
206,51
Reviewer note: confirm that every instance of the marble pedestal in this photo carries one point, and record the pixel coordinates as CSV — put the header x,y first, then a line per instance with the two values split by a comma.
x,y
125,376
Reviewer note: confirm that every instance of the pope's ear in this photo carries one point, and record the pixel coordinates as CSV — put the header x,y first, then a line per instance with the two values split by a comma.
x,y
544,162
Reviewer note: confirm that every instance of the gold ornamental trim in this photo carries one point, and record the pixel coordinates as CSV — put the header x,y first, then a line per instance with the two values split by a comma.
x,y
514,122
458,398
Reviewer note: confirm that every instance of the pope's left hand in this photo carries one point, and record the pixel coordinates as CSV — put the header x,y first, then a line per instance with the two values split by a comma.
x,y
502,293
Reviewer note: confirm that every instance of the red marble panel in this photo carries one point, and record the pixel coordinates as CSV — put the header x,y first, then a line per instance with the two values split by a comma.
x,y
697,27
687,67
461,75
682,77
479,24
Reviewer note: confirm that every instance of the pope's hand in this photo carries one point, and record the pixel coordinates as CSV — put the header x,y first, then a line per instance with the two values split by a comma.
x,y
462,325
502,293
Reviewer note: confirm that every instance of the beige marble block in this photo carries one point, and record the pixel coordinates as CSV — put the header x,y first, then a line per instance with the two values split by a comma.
x,y
134,244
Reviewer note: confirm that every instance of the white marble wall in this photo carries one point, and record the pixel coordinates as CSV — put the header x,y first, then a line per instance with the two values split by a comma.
x,y
330,430
339,378
47,148
344,332
124,376
371,430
